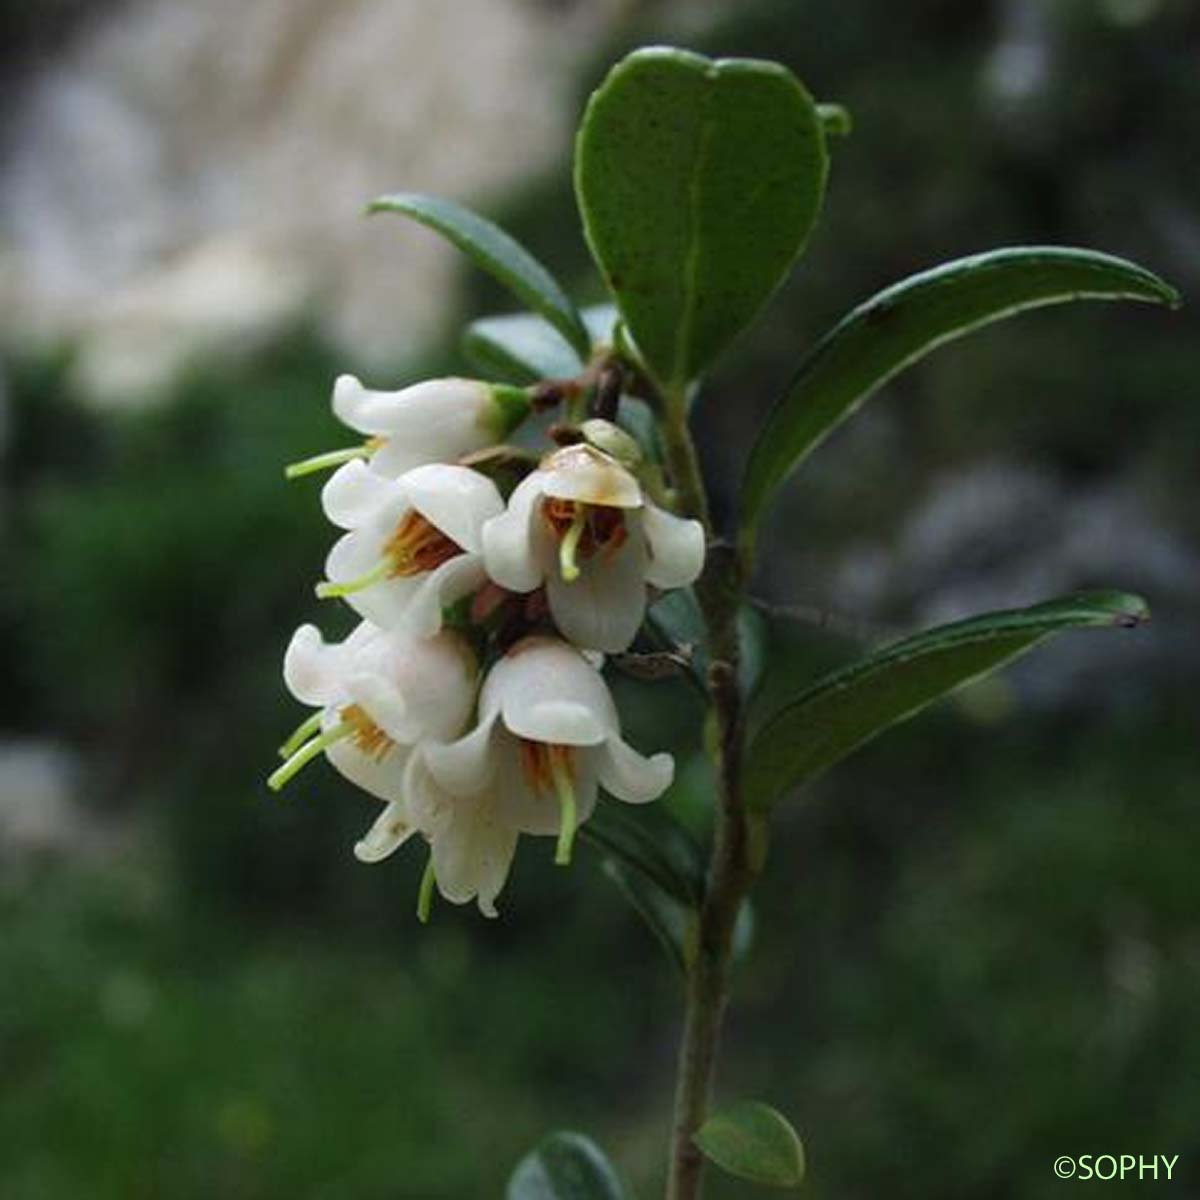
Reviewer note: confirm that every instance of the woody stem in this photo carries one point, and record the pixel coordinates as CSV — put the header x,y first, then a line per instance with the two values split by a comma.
x,y
731,868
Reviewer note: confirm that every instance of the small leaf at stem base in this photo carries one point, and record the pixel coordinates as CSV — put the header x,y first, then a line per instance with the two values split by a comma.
x,y
753,1141
566,1166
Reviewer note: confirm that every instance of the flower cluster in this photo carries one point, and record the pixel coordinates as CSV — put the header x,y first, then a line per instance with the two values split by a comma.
x,y
470,699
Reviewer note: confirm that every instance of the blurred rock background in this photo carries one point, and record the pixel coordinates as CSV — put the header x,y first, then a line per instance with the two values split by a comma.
x,y
979,940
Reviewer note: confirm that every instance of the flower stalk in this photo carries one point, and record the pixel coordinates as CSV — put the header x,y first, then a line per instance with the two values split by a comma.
x,y
425,892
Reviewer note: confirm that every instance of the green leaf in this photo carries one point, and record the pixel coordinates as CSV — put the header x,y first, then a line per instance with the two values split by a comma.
x,y
835,120
698,182
671,922
849,707
904,322
566,1166
753,1141
656,865
674,924
523,348
660,869
497,253
652,844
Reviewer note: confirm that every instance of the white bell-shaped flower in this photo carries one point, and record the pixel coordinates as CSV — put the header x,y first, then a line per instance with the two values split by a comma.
x,y
437,420
414,544
548,735
582,525
377,694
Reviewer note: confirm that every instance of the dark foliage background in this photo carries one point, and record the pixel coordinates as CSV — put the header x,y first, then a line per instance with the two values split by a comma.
x,y
978,941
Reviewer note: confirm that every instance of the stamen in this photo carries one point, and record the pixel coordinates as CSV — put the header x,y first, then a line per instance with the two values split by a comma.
x,y
368,737
322,462
327,588
418,545
564,787
569,545
425,894
300,735
415,547
307,753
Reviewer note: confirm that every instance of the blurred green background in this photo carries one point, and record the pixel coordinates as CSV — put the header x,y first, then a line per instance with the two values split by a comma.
x,y
978,942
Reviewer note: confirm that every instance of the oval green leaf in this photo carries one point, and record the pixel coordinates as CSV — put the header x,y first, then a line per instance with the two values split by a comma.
x,y
525,348
903,323
566,1166
698,182
753,1141
840,712
497,253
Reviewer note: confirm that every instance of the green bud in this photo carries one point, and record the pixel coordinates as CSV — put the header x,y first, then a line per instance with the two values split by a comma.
x,y
613,440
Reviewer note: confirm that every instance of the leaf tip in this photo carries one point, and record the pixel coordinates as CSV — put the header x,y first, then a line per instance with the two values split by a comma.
x,y
1167,294
401,202
1132,614
836,120
1118,610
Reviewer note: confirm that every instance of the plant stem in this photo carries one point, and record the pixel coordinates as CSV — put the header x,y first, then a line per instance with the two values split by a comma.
x,y
731,870
683,463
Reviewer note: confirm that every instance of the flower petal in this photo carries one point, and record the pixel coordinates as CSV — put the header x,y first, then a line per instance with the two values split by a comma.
x,y
539,811
437,675
363,409
583,473
429,805
314,669
455,499
393,457
548,692
443,417
381,775
384,603
386,705
354,493
603,608
675,548
389,832
466,765
631,776
352,555
510,541
362,549
438,589
311,667
472,855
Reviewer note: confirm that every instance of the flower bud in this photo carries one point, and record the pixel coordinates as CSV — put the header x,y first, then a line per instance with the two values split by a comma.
x,y
613,440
